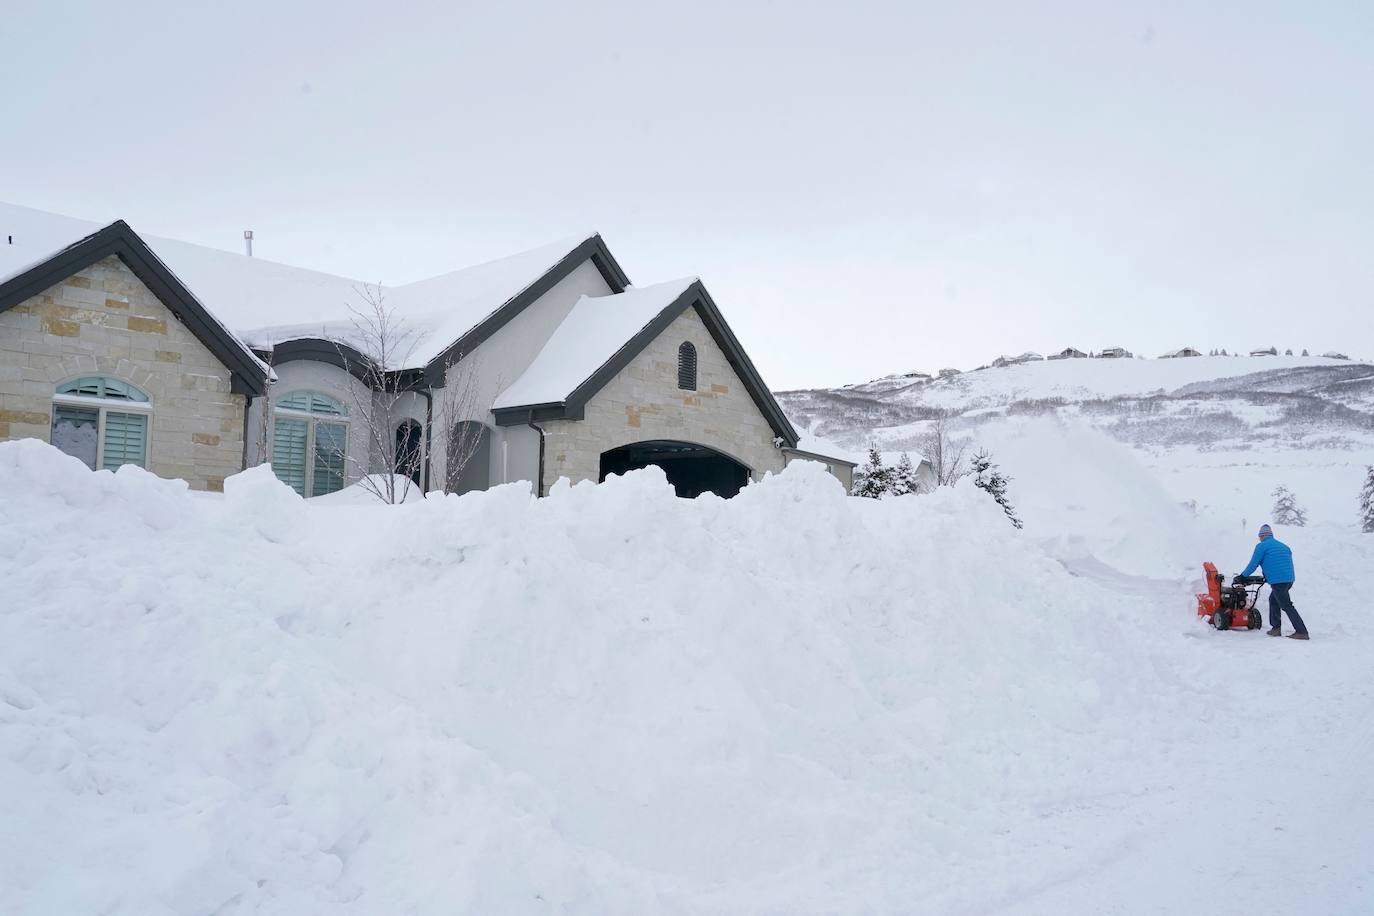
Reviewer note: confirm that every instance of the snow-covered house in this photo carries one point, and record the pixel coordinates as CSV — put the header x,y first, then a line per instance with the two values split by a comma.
x,y
1002,361
1068,353
195,362
1115,353
1271,351
1180,354
949,373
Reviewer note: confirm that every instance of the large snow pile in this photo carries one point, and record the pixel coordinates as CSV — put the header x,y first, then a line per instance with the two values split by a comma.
x,y
615,701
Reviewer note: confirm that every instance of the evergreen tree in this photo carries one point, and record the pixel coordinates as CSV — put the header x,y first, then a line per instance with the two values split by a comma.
x,y
873,479
904,477
1288,352
1223,352
1304,352
1367,503
1286,509
987,476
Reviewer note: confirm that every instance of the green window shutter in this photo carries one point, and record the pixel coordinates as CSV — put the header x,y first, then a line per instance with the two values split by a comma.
x,y
126,439
331,443
98,386
288,452
311,402
323,403
75,431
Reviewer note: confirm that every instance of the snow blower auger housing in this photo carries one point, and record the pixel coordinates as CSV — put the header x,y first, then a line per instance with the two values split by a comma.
x,y
1230,607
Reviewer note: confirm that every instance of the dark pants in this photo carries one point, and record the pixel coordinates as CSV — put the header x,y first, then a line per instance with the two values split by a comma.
x,y
1278,598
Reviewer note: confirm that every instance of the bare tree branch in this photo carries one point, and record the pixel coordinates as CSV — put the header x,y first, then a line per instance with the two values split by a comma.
x,y
384,343
946,455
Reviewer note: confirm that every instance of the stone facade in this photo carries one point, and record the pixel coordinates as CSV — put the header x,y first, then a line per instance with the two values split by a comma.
x,y
104,321
642,402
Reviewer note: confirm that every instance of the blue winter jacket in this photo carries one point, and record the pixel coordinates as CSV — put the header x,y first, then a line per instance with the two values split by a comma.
x,y
1276,558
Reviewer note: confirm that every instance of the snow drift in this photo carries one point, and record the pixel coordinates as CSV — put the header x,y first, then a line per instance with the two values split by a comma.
x,y
607,701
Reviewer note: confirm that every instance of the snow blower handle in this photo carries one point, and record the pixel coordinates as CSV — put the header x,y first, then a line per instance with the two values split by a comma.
x,y
1247,580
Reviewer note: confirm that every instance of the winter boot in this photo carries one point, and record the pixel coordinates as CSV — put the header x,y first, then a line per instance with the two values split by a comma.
x,y
1297,636
1276,631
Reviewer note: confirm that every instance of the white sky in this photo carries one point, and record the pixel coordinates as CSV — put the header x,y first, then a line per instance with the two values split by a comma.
x,y
864,187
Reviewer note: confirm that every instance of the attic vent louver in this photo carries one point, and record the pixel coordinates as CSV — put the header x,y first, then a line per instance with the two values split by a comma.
x,y
687,366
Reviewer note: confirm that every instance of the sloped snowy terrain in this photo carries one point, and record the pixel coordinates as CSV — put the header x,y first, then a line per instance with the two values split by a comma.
x,y
615,701
1237,403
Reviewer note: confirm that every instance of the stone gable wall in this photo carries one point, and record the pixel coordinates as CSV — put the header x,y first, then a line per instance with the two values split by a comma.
x,y
104,321
643,402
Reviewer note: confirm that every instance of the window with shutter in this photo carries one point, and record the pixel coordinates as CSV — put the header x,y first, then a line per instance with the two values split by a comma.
x,y
288,452
310,442
103,421
328,473
125,437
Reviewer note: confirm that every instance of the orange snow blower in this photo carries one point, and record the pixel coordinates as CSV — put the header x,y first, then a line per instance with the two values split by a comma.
x,y
1230,607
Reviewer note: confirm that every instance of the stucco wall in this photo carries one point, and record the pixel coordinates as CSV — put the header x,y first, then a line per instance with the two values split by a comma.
x,y
642,402
312,375
104,321
495,364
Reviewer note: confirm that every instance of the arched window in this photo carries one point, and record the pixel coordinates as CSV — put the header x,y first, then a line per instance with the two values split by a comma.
x,y
102,421
687,366
310,442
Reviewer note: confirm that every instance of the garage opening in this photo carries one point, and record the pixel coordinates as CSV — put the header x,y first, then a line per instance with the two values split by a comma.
x,y
691,469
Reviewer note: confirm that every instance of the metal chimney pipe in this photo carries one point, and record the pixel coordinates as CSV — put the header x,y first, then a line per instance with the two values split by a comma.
x,y
248,241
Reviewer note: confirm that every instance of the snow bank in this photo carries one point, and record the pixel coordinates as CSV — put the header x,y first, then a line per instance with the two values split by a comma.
x,y
1084,495
606,701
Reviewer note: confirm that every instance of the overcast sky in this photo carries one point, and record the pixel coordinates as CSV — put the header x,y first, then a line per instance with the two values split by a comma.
x,y
864,188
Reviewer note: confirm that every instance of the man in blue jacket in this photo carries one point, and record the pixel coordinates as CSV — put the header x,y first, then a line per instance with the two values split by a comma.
x,y
1276,559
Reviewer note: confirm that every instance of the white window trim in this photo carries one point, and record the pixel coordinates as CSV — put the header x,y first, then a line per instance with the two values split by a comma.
x,y
103,406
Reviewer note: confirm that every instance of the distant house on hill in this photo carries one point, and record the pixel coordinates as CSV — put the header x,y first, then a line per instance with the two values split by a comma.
x,y
1332,354
1069,353
1115,353
916,375
1272,351
1003,361
949,373
1179,354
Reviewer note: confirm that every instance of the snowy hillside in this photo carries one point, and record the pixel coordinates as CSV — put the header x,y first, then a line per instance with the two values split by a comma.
x,y
1220,432
615,701
1241,401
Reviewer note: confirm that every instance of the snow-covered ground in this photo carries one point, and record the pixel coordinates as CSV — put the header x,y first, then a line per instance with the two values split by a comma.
x,y
614,701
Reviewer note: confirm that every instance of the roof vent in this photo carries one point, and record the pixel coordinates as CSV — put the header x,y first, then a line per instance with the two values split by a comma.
x,y
248,242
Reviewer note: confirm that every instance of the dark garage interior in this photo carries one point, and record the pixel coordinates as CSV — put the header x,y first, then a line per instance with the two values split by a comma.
x,y
691,469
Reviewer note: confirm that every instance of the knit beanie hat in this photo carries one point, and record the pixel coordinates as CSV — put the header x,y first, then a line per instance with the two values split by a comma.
x,y
1266,531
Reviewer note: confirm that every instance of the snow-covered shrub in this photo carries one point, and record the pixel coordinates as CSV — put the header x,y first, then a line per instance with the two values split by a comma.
x,y
873,479
1286,509
987,476
1367,502
904,477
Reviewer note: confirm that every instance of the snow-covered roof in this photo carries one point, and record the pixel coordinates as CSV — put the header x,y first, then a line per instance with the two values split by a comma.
x,y
266,303
595,329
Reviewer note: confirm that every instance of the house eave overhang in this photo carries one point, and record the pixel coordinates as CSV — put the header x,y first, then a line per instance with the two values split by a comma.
x,y
816,456
247,375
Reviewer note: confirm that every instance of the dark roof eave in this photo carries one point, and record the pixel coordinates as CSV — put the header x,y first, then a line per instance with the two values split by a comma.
x,y
803,453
